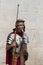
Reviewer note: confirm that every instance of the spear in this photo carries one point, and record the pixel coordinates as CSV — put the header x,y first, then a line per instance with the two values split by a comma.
x,y
15,56
17,11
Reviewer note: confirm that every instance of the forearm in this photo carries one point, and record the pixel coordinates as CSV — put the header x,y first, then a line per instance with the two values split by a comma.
x,y
26,47
8,46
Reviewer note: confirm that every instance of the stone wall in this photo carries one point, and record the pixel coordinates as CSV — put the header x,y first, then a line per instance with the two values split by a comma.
x,y
32,12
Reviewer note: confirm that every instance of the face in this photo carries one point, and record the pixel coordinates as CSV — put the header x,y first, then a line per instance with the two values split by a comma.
x,y
20,26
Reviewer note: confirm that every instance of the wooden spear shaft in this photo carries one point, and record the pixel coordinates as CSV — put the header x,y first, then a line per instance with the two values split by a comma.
x,y
15,56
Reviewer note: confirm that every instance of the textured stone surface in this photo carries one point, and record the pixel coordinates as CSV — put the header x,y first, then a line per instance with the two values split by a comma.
x,y
32,12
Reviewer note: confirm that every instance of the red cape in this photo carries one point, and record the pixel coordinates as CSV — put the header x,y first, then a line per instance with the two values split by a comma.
x,y
8,57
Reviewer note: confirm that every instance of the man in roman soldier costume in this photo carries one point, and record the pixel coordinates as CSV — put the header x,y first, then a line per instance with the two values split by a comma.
x,y
16,47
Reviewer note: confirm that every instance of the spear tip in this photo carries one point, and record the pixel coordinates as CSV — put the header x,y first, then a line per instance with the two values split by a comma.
x,y
18,5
